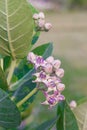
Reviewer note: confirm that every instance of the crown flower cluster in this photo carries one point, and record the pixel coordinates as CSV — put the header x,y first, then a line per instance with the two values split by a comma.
x,y
48,74
40,22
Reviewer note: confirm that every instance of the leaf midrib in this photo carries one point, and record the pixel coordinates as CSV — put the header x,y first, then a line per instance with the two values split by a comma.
x,y
8,31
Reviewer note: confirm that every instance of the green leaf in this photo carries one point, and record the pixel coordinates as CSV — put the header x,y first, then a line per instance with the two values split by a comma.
x,y
48,124
60,111
3,82
81,115
44,50
9,114
16,28
67,120
35,37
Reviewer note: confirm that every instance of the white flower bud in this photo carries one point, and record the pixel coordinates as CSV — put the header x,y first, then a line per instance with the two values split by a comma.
x,y
41,15
60,87
41,23
50,59
48,68
47,26
73,104
60,72
31,57
56,64
35,16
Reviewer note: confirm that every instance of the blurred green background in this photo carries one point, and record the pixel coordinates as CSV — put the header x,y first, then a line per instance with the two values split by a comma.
x,y
69,37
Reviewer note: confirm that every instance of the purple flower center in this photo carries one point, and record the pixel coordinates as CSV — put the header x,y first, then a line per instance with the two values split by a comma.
x,y
51,100
42,75
39,60
52,84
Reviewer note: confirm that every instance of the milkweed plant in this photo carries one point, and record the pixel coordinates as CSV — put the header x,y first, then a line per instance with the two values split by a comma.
x,y
24,72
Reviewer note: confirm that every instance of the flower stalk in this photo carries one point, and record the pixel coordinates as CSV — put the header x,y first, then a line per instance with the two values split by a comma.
x,y
12,67
27,97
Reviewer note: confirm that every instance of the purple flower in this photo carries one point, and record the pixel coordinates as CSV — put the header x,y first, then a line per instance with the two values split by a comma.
x,y
52,101
42,75
49,73
39,60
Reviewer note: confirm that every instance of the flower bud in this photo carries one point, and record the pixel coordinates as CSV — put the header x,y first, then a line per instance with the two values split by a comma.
x,y
35,16
41,23
47,26
50,59
48,68
31,57
73,104
60,87
41,15
60,72
56,64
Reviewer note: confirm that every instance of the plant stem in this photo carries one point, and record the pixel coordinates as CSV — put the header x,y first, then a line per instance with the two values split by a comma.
x,y
27,97
1,62
12,67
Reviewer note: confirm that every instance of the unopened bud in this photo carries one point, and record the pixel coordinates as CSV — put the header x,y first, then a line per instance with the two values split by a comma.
x,y
73,104
47,26
60,87
35,16
50,59
41,23
48,68
56,64
31,57
60,72
41,15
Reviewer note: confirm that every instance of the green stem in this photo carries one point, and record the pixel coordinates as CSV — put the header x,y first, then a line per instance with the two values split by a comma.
x,y
1,62
12,67
27,97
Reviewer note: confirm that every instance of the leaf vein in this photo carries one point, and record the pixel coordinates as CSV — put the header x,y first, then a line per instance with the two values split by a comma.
x,y
16,10
18,24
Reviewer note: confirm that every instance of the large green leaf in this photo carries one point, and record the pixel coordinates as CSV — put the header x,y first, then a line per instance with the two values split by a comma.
x,y
67,120
81,115
16,28
9,114
3,82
